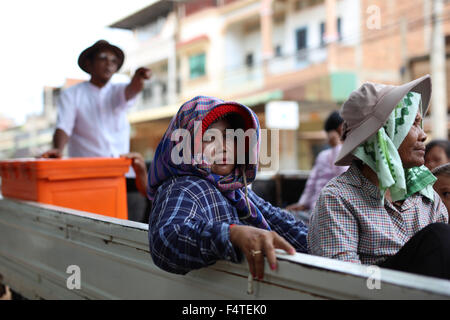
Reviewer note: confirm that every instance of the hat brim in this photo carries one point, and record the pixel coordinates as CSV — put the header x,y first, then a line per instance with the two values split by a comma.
x,y
224,109
384,107
100,45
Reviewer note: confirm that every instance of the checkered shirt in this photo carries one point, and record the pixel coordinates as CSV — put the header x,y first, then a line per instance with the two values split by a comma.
x,y
190,220
349,222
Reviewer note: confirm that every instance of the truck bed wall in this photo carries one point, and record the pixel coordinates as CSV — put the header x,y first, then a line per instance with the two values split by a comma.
x,y
39,242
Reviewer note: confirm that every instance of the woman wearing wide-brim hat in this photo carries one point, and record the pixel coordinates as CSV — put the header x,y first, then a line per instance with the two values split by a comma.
x,y
383,210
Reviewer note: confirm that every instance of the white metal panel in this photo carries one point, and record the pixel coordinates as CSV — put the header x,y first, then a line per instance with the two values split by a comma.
x,y
38,242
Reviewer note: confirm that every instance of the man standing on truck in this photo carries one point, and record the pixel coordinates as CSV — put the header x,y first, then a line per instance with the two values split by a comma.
x,y
92,115
92,118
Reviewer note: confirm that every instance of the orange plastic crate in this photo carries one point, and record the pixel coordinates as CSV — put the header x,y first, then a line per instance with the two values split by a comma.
x,y
95,185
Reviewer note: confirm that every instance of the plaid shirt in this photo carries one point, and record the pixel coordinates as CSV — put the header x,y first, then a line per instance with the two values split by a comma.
x,y
349,223
190,220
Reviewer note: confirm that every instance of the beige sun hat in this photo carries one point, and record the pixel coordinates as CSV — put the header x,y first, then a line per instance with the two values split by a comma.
x,y
369,107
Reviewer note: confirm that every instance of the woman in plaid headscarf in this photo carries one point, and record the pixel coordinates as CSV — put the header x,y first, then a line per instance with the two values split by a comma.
x,y
202,210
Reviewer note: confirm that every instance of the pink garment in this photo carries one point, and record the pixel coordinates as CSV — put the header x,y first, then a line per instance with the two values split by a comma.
x,y
323,171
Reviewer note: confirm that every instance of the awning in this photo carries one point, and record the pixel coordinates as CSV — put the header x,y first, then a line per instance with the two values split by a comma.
x,y
157,8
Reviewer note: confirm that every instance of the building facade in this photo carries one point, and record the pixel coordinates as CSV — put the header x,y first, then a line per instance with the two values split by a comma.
x,y
313,52
34,137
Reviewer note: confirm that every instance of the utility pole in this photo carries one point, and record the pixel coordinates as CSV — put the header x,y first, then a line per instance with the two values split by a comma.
x,y
438,72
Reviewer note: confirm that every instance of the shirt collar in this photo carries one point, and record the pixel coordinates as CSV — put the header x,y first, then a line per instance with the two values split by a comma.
x,y
356,178
97,89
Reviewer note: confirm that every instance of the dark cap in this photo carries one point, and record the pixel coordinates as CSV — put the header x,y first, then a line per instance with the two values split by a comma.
x,y
90,52
223,110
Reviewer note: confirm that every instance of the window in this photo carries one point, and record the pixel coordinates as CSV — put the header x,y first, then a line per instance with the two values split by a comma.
x,y
197,65
249,60
322,31
301,38
339,29
301,41
147,92
278,52
322,34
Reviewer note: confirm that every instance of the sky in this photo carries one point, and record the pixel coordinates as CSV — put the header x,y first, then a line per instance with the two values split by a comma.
x,y
41,40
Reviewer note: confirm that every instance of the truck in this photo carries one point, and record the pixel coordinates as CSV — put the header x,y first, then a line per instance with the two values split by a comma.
x,y
54,252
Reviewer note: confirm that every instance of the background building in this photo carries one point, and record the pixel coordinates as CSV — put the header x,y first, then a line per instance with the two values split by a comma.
x,y
314,52
35,136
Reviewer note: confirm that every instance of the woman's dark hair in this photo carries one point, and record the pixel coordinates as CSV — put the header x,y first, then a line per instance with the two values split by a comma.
x,y
444,144
236,121
333,121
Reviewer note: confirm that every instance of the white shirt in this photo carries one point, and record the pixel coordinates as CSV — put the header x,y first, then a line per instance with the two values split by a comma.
x,y
95,119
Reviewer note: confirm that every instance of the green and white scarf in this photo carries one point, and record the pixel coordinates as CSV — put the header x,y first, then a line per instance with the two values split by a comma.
x,y
380,153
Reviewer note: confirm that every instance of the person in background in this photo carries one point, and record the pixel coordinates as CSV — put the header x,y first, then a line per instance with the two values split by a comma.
x,y
383,210
202,209
138,210
437,152
92,118
323,171
92,115
442,185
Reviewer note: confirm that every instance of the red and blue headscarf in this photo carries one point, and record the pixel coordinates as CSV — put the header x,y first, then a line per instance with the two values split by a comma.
x,y
231,186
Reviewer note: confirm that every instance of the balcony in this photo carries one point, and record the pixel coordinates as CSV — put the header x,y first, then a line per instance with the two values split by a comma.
x,y
153,95
243,78
299,60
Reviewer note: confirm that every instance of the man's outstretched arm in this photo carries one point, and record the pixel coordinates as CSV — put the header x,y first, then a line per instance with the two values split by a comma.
x,y
137,82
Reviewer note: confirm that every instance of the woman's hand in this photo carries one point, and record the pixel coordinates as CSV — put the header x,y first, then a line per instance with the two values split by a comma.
x,y
255,243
